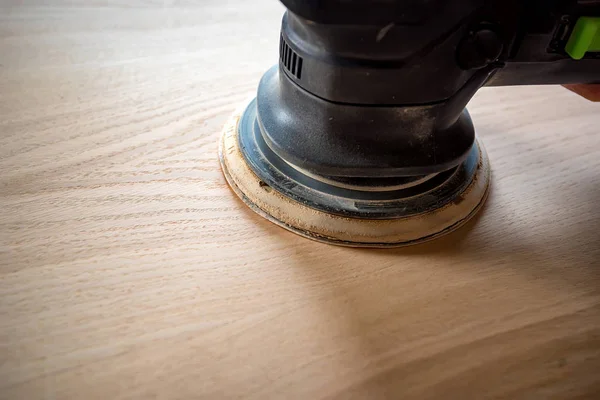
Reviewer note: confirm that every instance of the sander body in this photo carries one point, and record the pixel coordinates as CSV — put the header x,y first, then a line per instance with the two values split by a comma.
x,y
360,135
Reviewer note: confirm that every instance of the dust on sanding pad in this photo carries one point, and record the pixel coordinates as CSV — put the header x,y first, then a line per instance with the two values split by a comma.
x,y
340,230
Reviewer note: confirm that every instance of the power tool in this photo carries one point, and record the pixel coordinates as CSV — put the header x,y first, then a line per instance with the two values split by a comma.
x,y
360,135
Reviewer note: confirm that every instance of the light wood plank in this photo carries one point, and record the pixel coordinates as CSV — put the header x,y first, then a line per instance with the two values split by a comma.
x,y
129,270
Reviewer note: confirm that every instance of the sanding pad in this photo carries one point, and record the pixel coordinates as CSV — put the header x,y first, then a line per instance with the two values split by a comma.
x,y
349,217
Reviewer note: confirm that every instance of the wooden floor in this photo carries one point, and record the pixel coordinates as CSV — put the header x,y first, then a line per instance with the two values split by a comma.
x,y
128,269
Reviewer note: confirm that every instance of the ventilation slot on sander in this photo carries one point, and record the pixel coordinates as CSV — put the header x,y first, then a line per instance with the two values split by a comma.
x,y
290,60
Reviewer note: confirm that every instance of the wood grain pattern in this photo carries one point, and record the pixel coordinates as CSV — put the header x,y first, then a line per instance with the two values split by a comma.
x,y
129,270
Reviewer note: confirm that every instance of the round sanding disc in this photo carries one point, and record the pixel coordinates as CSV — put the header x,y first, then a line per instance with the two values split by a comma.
x,y
446,216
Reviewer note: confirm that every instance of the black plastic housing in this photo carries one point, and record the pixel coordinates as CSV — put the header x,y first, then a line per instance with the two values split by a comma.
x,y
378,88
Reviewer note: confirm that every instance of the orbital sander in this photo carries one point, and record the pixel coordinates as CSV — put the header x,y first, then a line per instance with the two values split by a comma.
x,y
360,135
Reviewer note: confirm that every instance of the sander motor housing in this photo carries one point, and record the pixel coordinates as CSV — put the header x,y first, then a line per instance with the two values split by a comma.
x,y
378,88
